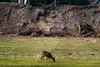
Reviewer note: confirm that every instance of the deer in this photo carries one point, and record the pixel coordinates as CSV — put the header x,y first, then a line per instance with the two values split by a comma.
x,y
48,55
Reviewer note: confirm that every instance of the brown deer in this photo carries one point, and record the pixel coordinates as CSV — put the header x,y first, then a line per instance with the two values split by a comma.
x,y
48,55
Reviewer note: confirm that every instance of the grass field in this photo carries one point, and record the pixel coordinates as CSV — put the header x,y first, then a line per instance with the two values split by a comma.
x,y
69,52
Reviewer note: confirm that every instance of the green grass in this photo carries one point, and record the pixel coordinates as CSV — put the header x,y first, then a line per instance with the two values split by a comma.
x,y
69,52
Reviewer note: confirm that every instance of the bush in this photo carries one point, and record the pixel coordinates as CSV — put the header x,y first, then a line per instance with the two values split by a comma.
x,y
58,2
81,2
61,2
33,2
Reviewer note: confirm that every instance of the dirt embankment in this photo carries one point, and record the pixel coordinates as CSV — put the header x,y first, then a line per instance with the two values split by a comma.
x,y
18,19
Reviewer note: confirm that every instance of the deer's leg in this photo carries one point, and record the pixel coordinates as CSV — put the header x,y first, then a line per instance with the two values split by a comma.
x,y
53,59
42,58
47,59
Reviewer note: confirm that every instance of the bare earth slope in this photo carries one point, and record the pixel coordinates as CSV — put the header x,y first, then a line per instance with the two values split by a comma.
x,y
18,19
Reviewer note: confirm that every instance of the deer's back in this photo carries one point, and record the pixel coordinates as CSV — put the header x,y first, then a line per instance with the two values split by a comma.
x,y
47,54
